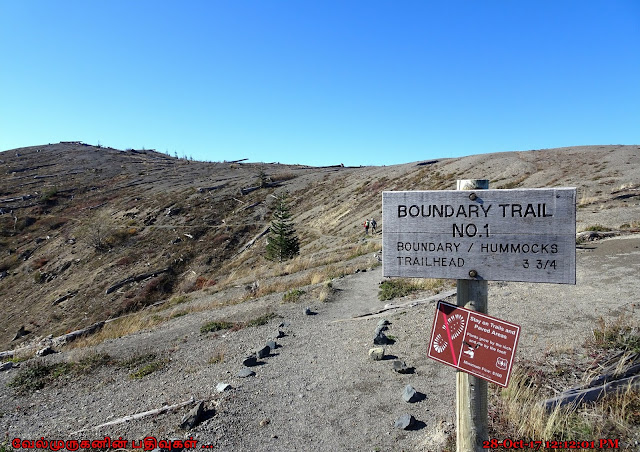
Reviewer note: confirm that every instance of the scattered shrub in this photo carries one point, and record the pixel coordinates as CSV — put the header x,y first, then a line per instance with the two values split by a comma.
x,y
598,228
293,295
49,196
402,287
137,360
35,376
216,325
202,282
148,369
216,358
620,334
262,320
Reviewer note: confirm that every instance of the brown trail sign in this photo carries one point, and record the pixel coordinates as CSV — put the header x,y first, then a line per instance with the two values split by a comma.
x,y
476,343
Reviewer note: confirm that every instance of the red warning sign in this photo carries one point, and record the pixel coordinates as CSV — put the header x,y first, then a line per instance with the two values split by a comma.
x,y
474,342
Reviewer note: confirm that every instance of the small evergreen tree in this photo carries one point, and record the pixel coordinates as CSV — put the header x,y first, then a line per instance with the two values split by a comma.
x,y
262,178
282,241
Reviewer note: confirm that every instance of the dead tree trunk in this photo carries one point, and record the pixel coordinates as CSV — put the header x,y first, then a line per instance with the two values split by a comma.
x,y
136,278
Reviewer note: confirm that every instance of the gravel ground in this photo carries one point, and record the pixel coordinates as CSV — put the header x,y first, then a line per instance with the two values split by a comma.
x,y
319,390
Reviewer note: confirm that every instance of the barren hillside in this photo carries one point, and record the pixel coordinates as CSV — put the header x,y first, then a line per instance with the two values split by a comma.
x,y
165,258
77,219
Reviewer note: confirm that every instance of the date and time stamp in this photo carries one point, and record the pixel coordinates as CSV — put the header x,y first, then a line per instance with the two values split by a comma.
x,y
511,444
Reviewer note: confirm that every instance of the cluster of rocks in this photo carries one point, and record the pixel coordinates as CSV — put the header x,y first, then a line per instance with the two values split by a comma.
x,y
254,358
409,394
197,414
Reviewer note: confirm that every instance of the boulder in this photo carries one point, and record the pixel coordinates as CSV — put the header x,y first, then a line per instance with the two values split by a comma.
x,y
246,372
405,421
381,339
410,395
376,353
263,352
250,361
193,417
401,367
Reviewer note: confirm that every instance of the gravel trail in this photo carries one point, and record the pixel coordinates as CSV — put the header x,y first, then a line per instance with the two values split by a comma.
x,y
319,390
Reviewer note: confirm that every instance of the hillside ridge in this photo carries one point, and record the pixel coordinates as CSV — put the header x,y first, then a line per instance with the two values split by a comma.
x,y
77,219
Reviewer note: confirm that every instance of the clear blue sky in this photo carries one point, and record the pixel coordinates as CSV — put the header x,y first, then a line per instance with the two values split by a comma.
x,y
320,82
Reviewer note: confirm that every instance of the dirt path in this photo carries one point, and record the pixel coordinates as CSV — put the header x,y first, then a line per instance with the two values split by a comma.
x,y
320,390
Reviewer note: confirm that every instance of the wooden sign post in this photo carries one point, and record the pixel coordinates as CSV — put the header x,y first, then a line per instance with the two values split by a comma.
x,y
475,235
472,404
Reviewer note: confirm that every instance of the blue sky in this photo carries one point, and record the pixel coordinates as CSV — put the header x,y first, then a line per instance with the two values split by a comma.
x,y
320,82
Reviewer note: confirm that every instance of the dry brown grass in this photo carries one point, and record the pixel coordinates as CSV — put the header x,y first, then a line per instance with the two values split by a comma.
x,y
518,411
519,414
120,327
587,199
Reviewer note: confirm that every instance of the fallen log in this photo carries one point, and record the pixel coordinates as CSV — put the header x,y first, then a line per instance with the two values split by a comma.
x,y
64,297
409,304
137,416
252,205
254,240
7,355
94,207
577,396
205,189
30,168
136,278
19,198
72,336
590,236
620,373
247,190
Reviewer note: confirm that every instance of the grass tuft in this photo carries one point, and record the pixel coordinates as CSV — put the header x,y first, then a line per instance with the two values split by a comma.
x,y
148,369
619,334
396,288
216,325
597,228
216,358
292,296
35,376
262,320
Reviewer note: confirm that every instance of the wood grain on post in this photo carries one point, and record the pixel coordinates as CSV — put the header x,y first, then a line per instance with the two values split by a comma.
x,y
471,392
